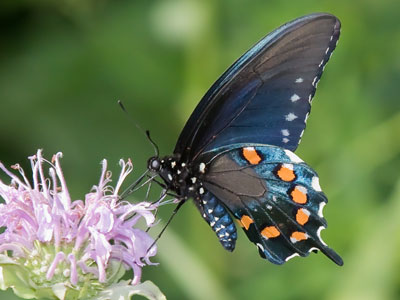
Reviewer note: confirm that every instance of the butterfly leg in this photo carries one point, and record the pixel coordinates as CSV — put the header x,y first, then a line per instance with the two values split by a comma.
x,y
166,225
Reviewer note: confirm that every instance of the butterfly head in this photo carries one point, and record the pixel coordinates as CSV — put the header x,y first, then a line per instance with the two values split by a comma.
x,y
164,167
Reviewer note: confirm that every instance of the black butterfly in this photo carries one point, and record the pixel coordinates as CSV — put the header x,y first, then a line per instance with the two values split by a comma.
x,y
234,155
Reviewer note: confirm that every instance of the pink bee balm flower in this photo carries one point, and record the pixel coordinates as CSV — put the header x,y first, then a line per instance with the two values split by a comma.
x,y
57,248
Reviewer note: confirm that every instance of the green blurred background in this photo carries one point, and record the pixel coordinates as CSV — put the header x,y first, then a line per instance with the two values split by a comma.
x,y
64,64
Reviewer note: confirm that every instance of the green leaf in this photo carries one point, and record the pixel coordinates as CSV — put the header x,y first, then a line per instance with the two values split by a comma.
x,y
123,290
14,276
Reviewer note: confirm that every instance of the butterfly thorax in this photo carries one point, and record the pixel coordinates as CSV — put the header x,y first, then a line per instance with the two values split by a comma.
x,y
179,177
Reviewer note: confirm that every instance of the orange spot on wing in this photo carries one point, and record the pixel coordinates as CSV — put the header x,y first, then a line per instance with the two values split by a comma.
x,y
302,216
251,155
299,195
298,236
270,232
246,221
286,174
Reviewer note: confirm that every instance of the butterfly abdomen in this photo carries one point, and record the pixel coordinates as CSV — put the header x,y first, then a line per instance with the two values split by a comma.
x,y
219,219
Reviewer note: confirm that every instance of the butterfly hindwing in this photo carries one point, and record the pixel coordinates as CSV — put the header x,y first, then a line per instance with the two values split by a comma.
x,y
275,196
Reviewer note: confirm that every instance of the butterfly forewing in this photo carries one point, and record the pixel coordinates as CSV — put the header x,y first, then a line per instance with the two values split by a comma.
x,y
275,196
265,96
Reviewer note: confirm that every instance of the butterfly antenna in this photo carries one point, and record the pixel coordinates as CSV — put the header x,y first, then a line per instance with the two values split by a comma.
x,y
156,149
130,117
166,225
145,132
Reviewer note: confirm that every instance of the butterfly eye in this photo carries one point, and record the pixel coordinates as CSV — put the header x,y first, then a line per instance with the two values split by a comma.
x,y
154,164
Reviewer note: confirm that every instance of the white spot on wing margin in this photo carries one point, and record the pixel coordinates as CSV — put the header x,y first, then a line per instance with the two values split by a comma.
x,y
293,157
320,209
315,184
319,235
291,256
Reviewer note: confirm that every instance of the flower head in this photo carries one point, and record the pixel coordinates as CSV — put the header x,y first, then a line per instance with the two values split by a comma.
x,y
62,247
